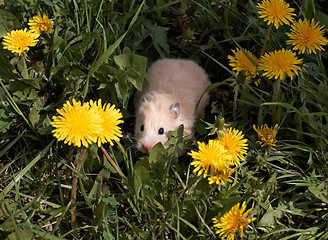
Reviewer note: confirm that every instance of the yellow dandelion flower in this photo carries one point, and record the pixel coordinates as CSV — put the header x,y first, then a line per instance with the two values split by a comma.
x,y
307,36
18,41
276,12
40,24
112,118
233,222
279,64
221,176
212,156
241,63
78,124
235,144
267,135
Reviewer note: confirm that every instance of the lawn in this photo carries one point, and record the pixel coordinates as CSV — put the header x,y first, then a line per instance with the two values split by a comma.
x,y
256,166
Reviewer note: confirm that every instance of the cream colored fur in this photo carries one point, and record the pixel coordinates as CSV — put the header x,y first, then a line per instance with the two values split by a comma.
x,y
170,81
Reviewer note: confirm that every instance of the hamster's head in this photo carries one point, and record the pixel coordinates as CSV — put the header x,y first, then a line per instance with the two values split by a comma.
x,y
157,114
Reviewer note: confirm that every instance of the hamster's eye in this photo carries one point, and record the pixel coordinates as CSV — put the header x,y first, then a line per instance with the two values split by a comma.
x,y
161,131
142,128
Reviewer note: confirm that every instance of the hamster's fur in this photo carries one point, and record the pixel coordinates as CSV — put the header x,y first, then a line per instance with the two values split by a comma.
x,y
169,100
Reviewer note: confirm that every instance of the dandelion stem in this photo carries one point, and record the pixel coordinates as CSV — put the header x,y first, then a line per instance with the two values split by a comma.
x,y
275,99
267,35
234,113
322,68
111,161
68,172
24,71
74,190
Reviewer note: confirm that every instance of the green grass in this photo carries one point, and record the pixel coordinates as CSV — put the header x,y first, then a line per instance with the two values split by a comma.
x,y
101,49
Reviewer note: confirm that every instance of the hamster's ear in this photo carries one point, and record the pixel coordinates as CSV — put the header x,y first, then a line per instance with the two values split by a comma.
x,y
175,109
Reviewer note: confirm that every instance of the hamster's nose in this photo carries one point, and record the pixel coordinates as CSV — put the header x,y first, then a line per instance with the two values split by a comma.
x,y
147,148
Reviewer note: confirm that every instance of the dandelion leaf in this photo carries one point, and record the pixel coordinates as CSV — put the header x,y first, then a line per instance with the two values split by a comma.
x,y
320,191
100,213
8,22
176,137
270,217
134,67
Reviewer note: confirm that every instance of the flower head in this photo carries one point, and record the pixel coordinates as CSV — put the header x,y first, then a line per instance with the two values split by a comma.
x,y
40,24
233,221
112,118
212,156
307,36
17,41
267,135
236,145
277,12
78,124
221,176
241,63
279,64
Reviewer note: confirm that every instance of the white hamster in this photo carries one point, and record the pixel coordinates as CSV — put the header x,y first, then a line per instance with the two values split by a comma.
x,y
169,100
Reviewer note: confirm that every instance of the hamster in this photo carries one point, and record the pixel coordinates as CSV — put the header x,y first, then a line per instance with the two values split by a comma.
x,y
169,100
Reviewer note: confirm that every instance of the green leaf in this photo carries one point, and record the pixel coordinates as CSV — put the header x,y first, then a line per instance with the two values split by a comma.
x,y
34,116
100,213
157,160
159,38
5,66
5,121
5,206
46,235
79,49
176,138
21,234
269,219
312,68
48,2
8,22
140,176
134,67
98,186
157,154
320,191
